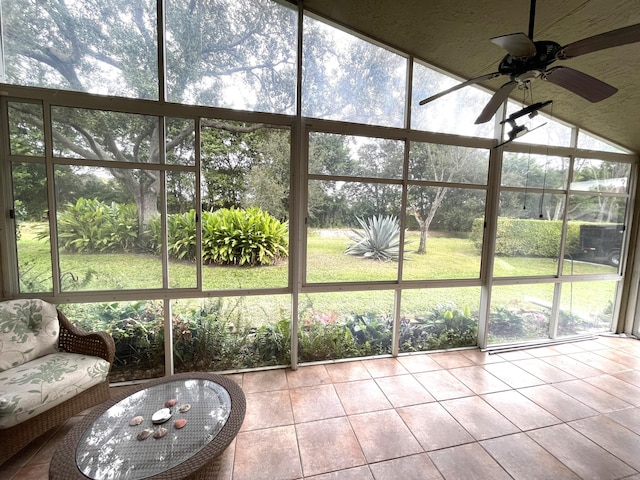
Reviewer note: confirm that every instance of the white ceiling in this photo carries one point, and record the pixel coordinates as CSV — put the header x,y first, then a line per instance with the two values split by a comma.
x,y
454,36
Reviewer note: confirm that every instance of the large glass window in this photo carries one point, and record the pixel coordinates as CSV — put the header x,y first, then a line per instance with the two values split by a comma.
x,y
107,48
439,318
245,205
444,215
354,231
344,325
349,79
229,333
454,113
232,54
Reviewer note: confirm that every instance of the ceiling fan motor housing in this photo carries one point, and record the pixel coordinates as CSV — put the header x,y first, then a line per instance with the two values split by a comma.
x,y
545,55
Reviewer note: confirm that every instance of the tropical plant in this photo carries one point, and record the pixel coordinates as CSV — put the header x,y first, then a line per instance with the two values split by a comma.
x,y
90,225
233,236
379,239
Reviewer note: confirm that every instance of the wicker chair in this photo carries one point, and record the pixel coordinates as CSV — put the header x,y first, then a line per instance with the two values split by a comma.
x,y
75,340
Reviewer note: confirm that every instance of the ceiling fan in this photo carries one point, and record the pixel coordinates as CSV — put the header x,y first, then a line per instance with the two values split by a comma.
x,y
528,59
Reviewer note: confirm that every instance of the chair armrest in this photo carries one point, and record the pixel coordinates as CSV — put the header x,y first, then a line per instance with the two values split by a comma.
x,y
74,339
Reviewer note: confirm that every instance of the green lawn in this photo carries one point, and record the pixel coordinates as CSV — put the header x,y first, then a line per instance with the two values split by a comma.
x,y
446,258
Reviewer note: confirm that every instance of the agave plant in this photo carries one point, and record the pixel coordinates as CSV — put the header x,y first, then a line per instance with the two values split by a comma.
x,y
379,238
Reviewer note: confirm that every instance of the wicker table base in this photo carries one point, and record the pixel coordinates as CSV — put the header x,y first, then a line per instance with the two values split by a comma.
x,y
203,464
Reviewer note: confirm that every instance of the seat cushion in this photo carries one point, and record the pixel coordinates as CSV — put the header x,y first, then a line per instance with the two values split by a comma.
x,y
45,382
29,329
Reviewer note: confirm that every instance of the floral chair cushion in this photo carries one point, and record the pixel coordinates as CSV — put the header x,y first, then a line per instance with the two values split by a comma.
x,y
30,389
29,329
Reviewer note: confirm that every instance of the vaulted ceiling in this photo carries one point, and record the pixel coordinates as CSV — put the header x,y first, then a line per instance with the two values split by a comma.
x,y
454,35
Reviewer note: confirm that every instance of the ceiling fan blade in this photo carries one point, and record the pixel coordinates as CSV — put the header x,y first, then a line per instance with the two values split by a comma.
x,y
482,78
517,44
614,38
494,103
588,87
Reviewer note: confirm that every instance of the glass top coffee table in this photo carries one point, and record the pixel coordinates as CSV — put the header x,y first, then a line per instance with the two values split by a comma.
x,y
171,427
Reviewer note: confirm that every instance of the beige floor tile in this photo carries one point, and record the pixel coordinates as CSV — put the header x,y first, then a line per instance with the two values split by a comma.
x,y
524,459
620,357
515,355
267,454
481,358
513,375
315,403
434,427
467,462
627,418
479,418
264,381
592,396
307,376
566,348
328,445
558,403
543,351
357,473
442,385
630,376
519,410
580,454
479,380
452,360
361,396
419,363
384,367
572,366
414,467
616,387
267,409
613,437
404,390
371,428
347,371
544,371
593,359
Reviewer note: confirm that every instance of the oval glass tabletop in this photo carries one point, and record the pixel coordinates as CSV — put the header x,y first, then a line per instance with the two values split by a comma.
x,y
114,447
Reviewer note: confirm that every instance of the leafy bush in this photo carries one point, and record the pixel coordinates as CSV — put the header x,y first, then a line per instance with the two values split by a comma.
x,y
90,226
378,240
446,326
529,238
230,236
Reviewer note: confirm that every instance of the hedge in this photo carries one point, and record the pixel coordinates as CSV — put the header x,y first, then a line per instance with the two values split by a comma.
x,y
529,238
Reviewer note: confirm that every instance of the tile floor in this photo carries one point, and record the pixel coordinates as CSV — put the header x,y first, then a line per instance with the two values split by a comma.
x,y
567,411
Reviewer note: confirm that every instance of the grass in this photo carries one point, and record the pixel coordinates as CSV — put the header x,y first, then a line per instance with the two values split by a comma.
x,y
446,258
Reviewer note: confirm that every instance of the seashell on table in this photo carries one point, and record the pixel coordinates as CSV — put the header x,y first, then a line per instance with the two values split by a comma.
x,y
144,434
160,432
137,420
185,407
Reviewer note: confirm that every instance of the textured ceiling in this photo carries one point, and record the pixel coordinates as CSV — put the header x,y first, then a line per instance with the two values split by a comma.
x,y
454,36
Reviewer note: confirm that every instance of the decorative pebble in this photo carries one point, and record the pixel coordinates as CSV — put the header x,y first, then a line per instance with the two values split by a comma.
x,y
170,403
181,422
144,434
184,408
160,432
136,420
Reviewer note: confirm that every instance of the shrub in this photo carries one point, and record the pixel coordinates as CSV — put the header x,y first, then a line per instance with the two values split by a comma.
x,y
90,226
445,326
230,236
529,238
378,240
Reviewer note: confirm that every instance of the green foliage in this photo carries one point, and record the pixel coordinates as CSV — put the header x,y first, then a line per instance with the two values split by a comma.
x,y
378,240
230,236
90,226
529,238
445,326
243,237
